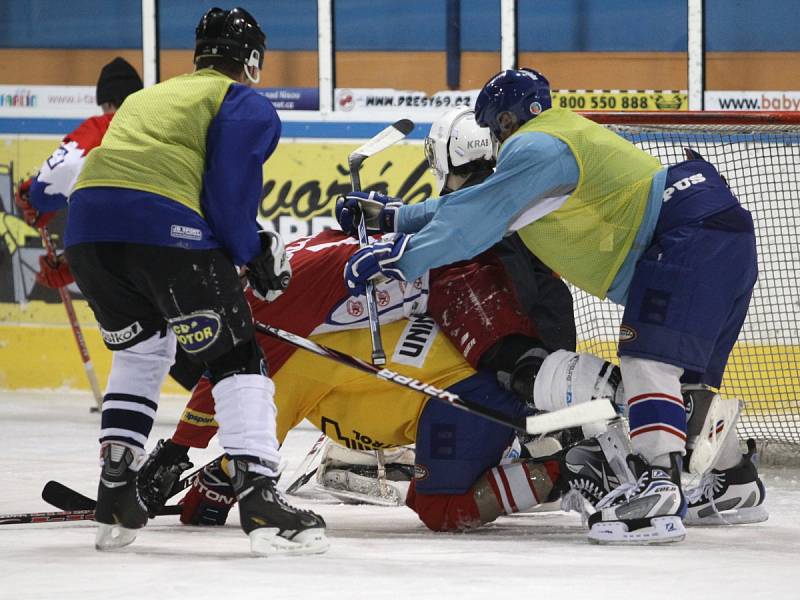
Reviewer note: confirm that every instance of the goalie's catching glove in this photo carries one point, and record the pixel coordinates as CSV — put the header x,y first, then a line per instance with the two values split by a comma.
x,y
379,210
270,272
374,261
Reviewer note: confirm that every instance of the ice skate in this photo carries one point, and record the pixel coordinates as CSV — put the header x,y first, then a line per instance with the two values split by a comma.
x,y
274,527
728,497
588,476
120,512
649,511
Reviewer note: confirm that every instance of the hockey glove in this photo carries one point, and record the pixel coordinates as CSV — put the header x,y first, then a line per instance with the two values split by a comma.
x,y
210,498
54,272
380,212
379,259
160,474
30,214
269,274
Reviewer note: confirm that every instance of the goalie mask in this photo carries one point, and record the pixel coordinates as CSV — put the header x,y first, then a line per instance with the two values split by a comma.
x,y
457,145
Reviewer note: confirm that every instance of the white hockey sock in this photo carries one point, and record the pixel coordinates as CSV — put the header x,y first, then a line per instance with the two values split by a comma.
x,y
245,411
133,389
655,408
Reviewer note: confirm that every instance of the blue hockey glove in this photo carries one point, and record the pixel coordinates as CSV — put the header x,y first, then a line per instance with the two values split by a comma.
x,y
379,210
372,261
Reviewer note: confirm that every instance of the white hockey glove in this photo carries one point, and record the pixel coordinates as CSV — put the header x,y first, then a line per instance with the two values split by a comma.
x,y
270,272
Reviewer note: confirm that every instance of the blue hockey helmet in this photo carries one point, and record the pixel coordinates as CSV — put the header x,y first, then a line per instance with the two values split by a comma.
x,y
523,92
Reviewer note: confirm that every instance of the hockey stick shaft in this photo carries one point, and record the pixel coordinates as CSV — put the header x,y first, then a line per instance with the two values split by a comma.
x,y
572,416
47,517
66,300
387,137
390,376
68,515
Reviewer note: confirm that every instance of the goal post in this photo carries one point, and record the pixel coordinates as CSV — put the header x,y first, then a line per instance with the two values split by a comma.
x,y
759,155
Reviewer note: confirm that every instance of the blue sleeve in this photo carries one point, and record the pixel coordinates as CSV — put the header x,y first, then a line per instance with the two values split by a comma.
x,y
42,200
531,167
414,217
241,137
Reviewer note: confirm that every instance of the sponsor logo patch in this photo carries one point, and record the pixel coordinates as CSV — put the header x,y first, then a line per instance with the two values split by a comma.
x,y
356,441
196,331
681,185
413,346
121,336
627,333
420,472
183,232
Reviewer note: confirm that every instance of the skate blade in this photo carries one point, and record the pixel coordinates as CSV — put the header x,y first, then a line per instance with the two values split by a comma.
x,y
112,537
737,516
663,530
265,541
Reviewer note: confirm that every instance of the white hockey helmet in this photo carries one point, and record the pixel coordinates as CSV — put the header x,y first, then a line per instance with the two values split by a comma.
x,y
455,140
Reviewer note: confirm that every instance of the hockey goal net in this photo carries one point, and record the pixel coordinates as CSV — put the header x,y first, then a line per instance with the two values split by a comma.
x,y
759,155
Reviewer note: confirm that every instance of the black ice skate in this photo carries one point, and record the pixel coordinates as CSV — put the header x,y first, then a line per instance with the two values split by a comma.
x,y
274,527
160,474
647,511
587,475
730,497
120,512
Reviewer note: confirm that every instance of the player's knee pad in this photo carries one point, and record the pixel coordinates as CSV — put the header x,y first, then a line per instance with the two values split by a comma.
x,y
245,358
566,378
140,369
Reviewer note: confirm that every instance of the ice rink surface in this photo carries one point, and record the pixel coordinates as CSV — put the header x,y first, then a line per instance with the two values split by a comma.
x,y
375,552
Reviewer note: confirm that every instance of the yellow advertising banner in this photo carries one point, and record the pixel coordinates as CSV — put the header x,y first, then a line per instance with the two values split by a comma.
x,y
620,100
301,183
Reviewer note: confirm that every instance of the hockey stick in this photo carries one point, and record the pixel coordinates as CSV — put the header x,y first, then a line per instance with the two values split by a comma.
x,y
66,300
65,498
389,136
572,416
302,474
68,515
47,517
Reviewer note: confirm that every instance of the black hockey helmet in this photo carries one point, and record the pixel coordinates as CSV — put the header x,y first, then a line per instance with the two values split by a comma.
x,y
233,34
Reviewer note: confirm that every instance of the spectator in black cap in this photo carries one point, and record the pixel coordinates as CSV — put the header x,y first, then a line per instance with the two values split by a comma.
x,y
118,80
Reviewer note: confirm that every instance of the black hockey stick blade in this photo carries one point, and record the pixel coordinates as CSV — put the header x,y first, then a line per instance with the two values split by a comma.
x,y
66,498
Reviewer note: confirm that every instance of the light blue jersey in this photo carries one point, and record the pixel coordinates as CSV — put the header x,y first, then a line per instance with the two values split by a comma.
x,y
534,175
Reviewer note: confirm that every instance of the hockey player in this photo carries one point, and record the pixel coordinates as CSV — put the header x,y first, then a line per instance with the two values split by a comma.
x,y
673,245
42,196
527,306
458,482
161,213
